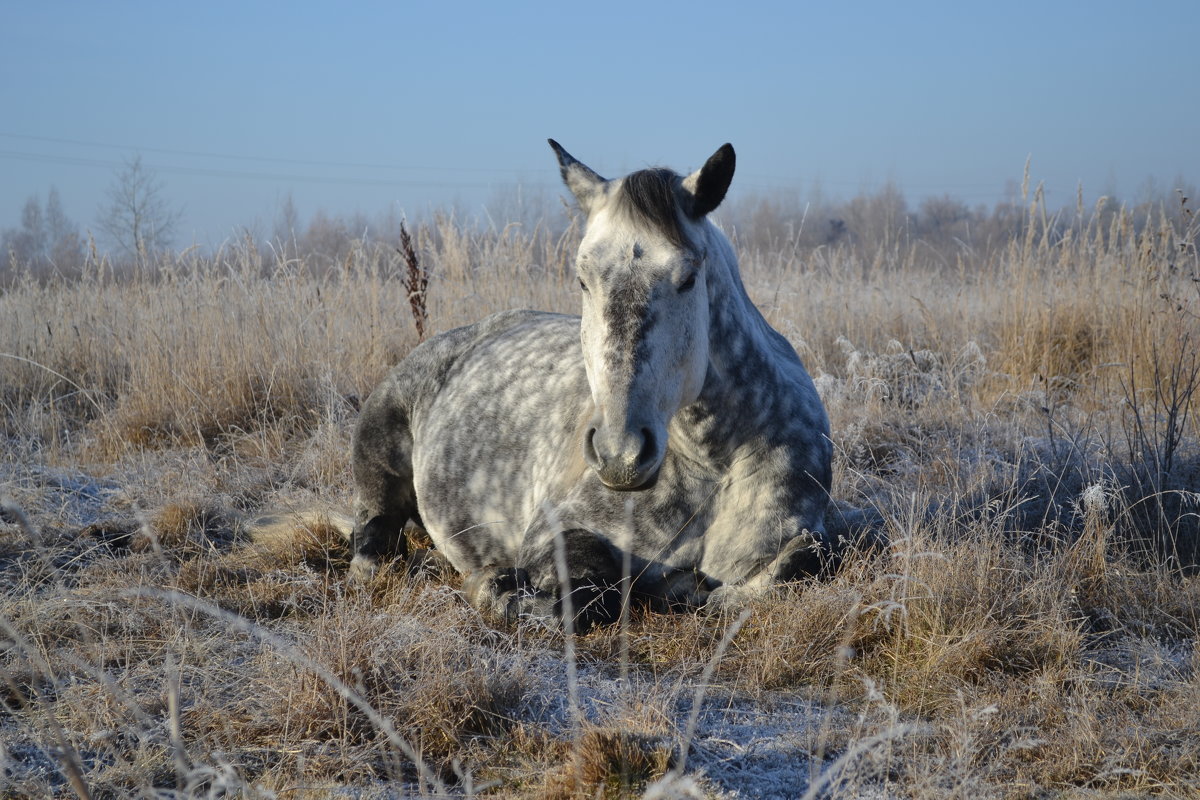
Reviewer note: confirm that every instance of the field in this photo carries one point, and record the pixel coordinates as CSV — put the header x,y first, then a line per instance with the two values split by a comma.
x,y
1016,459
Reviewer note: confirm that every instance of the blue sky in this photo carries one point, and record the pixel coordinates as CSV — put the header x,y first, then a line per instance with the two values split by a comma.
x,y
402,106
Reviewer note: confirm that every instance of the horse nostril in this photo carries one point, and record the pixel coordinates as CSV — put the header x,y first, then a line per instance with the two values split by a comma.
x,y
589,447
649,447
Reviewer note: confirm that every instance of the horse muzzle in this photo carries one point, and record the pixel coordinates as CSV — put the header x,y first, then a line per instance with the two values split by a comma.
x,y
627,462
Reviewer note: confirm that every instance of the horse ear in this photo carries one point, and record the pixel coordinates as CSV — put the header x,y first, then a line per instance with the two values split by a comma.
x,y
707,186
586,185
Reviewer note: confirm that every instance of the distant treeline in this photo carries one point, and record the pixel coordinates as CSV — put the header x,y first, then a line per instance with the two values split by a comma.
x,y
879,226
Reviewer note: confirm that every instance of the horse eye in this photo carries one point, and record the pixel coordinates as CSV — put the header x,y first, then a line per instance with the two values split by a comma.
x,y
689,283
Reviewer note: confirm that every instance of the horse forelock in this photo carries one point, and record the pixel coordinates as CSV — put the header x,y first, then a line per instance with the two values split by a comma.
x,y
650,198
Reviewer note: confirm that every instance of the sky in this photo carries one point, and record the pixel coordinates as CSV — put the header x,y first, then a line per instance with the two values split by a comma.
x,y
406,107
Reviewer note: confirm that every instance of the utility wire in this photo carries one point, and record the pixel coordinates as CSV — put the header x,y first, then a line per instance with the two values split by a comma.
x,y
774,182
233,157
229,173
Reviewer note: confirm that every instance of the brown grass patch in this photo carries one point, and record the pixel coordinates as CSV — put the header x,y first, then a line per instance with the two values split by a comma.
x,y
608,764
1055,347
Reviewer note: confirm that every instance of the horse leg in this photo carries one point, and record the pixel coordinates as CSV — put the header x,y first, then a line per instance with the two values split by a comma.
x,y
505,594
804,556
593,591
680,590
386,499
379,537
591,596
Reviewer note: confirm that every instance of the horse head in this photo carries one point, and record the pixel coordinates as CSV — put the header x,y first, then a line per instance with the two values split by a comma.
x,y
644,268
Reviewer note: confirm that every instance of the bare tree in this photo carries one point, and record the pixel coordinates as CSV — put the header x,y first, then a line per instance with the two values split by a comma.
x,y
25,245
64,244
286,230
46,239
137,218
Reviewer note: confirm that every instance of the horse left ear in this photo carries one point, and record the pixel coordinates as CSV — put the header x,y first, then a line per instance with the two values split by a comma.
x,y
707,186
585,184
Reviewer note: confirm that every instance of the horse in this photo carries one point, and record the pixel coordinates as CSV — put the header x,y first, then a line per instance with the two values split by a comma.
x,y
667,444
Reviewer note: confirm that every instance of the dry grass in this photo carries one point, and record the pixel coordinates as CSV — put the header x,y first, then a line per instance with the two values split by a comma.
x,y
608,763
1018,428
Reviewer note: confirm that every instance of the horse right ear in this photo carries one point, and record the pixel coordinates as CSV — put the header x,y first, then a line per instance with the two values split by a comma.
x,y
708,185
586,185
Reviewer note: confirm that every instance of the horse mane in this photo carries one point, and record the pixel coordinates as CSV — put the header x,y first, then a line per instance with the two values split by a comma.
x,y
650,198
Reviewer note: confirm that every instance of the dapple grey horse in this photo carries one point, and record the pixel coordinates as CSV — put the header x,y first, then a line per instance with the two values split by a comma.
x,y
670,434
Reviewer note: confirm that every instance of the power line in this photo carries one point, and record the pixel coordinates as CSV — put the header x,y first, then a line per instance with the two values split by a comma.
x,y
237,157
760,182
228,173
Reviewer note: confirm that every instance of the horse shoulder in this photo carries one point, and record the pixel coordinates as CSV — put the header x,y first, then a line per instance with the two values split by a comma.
x,y
777,487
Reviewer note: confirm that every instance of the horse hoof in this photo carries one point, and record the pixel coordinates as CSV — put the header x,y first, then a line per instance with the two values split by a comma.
x,y
363,569
728,599
803,557
495,592
527,604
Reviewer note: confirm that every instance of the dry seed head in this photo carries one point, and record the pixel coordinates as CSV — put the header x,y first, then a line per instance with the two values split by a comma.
x,y
1095,499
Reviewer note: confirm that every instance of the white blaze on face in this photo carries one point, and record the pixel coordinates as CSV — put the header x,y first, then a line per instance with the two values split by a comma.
x,y
645,344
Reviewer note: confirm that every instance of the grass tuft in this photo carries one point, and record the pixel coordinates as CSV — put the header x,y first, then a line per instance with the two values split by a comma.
x,y
608,764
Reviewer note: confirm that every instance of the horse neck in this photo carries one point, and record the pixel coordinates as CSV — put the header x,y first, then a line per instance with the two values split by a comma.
x,y
741,342
742,365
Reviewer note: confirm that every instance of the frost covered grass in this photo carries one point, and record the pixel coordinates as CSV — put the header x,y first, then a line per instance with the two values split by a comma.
x,y
1016,462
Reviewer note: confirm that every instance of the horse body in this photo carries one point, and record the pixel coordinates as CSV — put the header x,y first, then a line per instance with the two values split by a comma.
x,y
669,425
